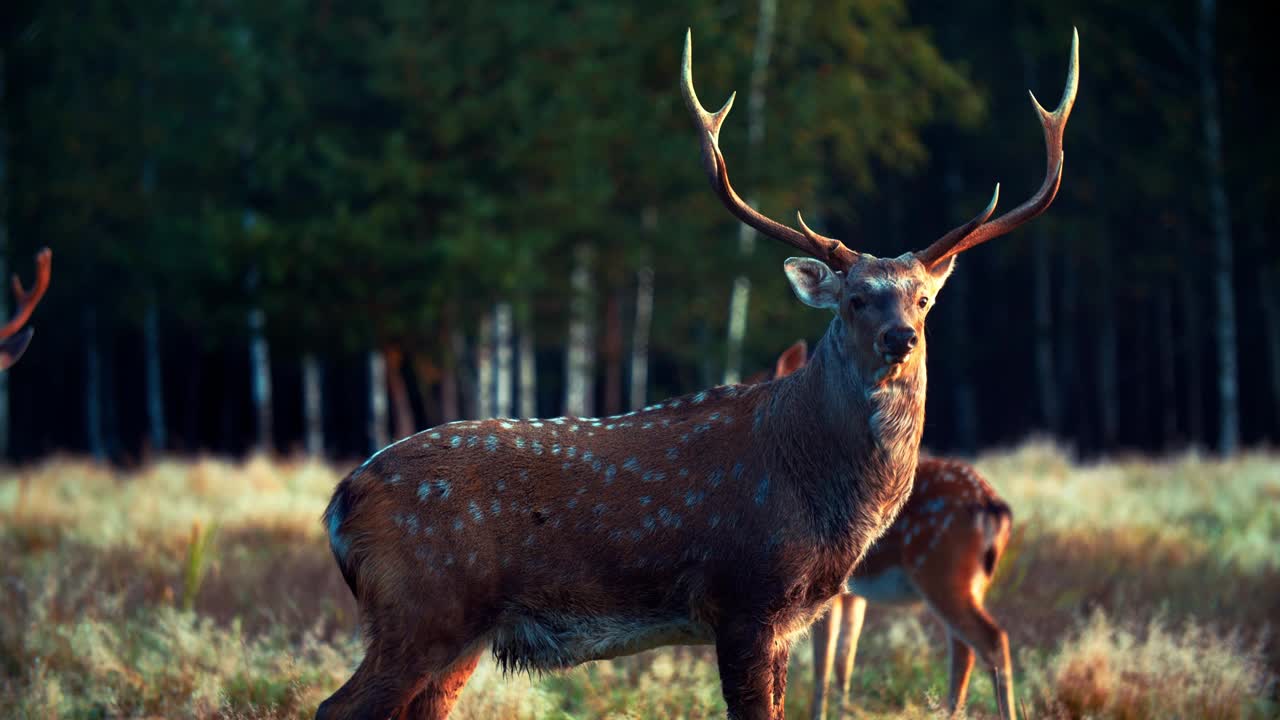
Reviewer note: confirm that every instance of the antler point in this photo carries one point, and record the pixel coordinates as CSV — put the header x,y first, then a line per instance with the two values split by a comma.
x,y
728,105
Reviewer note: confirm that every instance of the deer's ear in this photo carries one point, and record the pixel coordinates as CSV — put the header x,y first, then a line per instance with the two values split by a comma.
x,y
942,270
813,282
791,360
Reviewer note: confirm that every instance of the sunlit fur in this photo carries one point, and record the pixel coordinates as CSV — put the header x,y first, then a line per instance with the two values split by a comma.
x,y
730,516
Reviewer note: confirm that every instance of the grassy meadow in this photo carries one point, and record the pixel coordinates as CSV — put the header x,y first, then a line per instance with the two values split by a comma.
x,y
1134,588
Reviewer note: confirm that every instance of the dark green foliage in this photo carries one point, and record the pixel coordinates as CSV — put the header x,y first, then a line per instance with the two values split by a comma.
x,y
363,172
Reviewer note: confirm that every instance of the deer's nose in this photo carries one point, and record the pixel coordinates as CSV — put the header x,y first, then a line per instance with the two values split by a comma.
x,y
900,340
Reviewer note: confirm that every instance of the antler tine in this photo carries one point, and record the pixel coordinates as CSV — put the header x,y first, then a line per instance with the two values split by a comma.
x,y
27,301
978,231
710,122
829,250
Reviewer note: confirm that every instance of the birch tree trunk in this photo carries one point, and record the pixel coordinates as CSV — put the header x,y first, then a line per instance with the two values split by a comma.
x,y
110,399
450,341
93,387
1047,385
259,357
155,377
429,376
484,367
1139,374
401,406
1168,380
741,296
613,353
1271,328
151,320
965,418
193,439
1046,377
4,252
1220,214
260,370
313,404
503,356
466,389
528,365
1192,336
966,398
640,338
377,430
1108,386
1068,327
580,354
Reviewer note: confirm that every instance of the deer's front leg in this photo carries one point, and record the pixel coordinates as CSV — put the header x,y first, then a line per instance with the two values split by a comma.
x,y
781,656
746,656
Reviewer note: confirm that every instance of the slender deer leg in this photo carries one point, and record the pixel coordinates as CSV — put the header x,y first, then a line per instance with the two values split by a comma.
x,y
824,648
961,667
441,692
781,657
971,623
1002,676
745,654
855,609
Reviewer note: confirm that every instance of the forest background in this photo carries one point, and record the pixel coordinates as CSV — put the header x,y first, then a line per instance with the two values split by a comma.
x,y
321,226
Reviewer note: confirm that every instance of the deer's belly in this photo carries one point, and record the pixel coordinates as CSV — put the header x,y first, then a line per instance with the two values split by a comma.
x,y
555,642
889,587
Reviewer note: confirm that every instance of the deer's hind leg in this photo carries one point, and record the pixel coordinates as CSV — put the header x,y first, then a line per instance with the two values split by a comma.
x,y
417,643
440,692
824,649
380,687
855,610
961,668
959,606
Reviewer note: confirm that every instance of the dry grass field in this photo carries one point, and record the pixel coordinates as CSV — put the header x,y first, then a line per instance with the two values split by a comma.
x,y
1135,588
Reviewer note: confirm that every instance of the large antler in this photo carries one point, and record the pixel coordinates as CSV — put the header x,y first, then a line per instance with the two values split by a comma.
x,y
978,230
13,342
829,250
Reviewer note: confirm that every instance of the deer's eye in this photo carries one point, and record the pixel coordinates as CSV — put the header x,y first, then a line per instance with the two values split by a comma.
x,y
924,302
857,302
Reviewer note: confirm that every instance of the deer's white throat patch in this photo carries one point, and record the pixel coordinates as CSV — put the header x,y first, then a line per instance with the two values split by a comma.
x,y
893,415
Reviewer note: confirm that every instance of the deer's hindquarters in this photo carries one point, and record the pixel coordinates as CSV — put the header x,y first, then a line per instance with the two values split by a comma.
x,y
334,517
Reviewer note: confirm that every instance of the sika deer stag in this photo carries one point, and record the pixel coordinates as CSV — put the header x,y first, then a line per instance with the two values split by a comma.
x,y
942,549
13,337
728,517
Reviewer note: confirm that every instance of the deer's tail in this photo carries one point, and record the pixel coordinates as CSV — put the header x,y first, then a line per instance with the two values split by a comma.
x,y
995,518
339,539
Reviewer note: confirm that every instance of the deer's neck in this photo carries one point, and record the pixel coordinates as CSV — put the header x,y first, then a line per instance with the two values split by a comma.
x,y
849,443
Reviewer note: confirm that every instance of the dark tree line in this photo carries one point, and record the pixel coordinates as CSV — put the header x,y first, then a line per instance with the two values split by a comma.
x,y
323,225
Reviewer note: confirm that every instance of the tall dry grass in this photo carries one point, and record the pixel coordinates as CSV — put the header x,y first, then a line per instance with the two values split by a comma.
x,y
205,589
